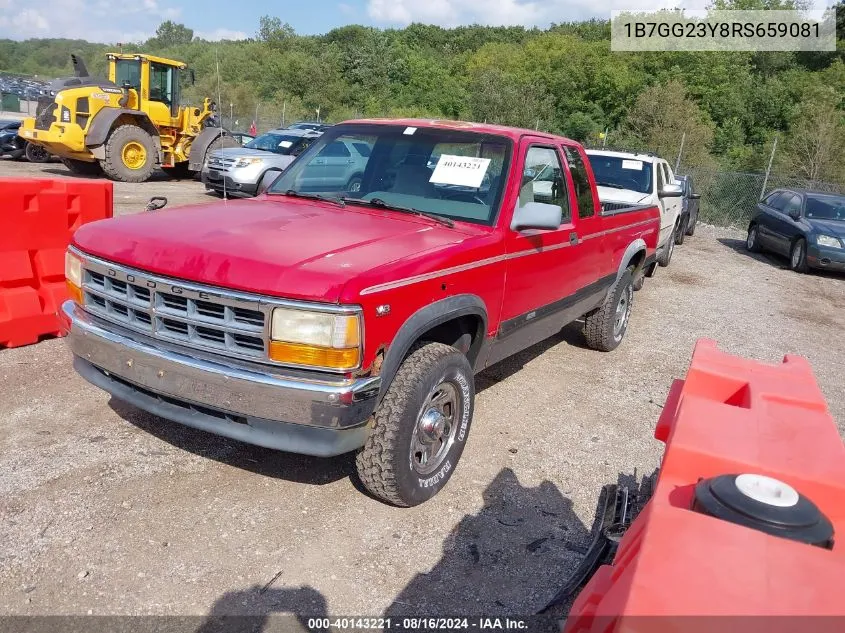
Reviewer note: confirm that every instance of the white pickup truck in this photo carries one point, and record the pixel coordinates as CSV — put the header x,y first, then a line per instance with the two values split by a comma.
x,y
626,178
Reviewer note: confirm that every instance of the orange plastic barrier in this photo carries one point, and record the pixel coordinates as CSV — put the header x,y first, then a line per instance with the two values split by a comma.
x,y
675,566
37,219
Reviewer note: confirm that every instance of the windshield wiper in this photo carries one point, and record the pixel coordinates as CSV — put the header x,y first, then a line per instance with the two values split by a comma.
x,y
381,204
315,196
612,185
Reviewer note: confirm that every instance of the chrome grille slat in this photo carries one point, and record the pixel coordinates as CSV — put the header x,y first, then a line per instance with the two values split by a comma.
x,y
214,322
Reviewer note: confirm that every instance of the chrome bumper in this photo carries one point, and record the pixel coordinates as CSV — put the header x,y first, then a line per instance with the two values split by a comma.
x,y
313,417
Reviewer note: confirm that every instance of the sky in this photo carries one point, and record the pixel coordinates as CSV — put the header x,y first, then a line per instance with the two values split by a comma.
x,y
108,21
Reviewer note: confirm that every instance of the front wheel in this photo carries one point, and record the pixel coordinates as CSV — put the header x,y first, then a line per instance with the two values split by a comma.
x,y
420,427
130,154
605,327
666,254
798,256
681,232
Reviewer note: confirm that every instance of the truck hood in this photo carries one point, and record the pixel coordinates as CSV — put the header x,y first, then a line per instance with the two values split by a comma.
x,y
609,194
283,247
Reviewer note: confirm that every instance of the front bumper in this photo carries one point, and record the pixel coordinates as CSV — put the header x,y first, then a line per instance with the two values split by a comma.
x,y
826,258
244,184
257,406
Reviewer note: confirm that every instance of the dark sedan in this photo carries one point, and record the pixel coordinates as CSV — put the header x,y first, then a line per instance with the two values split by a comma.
x,y
10,143
806,226
689,209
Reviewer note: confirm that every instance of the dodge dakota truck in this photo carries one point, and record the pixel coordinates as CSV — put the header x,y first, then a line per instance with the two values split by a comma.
x,y
322,319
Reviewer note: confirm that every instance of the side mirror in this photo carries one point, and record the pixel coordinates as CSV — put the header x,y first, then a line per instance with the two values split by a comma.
x,y
537,215
695,196
267,180
671,191
795,214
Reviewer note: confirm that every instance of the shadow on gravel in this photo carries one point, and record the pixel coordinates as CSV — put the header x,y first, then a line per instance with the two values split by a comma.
x,y
571,334
508,560
263,461
157,176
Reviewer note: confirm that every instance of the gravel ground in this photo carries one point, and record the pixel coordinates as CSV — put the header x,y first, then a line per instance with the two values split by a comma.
x,y
105,509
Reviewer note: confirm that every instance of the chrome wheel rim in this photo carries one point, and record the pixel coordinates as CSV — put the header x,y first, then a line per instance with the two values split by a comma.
x,y
435,430
797,252
355,186
623,311
752,237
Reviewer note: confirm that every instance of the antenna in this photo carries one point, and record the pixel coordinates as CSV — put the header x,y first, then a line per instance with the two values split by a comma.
x,y
220,118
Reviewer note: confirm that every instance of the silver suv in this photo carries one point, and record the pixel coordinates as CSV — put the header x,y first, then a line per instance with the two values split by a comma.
x,y
238,170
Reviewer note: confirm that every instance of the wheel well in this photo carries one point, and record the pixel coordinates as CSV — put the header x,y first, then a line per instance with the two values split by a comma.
x,y
464,333
138,121
637,260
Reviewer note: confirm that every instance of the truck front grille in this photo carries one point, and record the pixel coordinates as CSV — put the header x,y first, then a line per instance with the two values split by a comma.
x,y
197,317
220,163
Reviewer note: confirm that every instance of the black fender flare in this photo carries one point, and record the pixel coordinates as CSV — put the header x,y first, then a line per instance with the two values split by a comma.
x,y
200,144
425,319
103,122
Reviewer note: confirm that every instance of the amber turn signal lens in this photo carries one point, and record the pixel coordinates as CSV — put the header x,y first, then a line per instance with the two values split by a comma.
x,y
75,292
298,354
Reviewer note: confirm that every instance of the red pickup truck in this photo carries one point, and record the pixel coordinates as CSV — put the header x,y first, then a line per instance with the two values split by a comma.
x,y
348,307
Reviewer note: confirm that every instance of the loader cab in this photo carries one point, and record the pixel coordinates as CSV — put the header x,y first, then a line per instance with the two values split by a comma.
x,y
154,84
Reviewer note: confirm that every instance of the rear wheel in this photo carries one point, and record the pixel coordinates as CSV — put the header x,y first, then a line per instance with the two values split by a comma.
x,y
605,327
354,184
130,154
691,227
681,232
752,242
420,427
36,153
82,168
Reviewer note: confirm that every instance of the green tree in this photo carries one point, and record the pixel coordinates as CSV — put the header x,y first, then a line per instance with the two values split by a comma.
x,y
816,141
170,34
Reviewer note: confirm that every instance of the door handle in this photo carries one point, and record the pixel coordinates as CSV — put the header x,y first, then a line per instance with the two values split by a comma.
x,y
573,238
320,161
350,161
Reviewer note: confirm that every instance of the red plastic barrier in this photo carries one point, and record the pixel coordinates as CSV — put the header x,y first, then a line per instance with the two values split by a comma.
x,y
674,565
37,219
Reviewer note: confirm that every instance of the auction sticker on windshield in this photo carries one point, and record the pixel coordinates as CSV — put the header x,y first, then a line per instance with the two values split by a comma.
x,y
632,164
285,144
463,171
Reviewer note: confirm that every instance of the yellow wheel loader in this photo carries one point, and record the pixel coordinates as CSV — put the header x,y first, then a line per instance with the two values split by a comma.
x,y
128,125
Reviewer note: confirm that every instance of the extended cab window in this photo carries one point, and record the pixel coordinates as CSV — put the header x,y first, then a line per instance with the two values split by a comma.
x,y
583,192
543,180
616,172
455,174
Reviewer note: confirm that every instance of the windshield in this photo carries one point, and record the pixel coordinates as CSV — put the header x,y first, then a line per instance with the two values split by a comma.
x,y
277,143
454,174
826,207
621,173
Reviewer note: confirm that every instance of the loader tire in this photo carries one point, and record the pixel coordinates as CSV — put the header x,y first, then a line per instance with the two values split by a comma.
x,y
82,168
130,154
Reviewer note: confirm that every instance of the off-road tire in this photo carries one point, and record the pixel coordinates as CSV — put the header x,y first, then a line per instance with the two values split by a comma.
x,y
36,153
752,240
113,163
81,168
801,265
666,254
383,464
599,324
691,227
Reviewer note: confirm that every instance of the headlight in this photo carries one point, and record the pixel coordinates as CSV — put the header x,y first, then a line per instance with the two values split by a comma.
x,y
828,240
73,276
316,339
246,162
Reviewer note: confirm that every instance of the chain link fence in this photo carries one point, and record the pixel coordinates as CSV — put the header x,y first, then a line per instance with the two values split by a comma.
x,y
728,198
